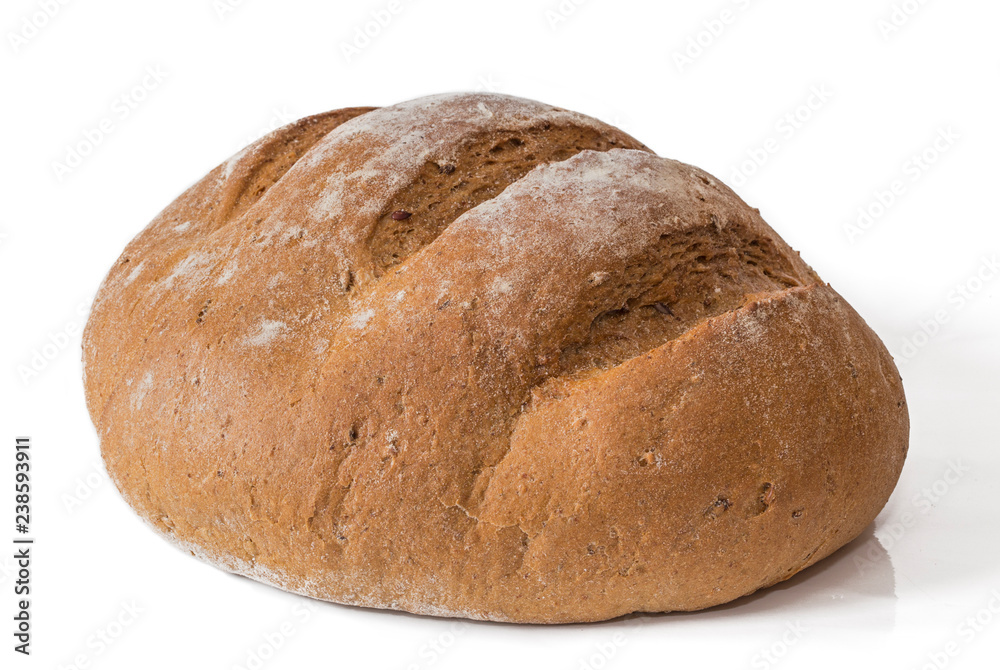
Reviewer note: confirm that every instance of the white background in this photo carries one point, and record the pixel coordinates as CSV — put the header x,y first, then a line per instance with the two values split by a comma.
x,y
898,597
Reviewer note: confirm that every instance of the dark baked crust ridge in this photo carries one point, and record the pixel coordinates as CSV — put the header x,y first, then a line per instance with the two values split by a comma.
x,y
214,201
748,512
381,480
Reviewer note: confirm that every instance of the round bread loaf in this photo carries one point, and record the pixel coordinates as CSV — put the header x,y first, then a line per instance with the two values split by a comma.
x,y
477,356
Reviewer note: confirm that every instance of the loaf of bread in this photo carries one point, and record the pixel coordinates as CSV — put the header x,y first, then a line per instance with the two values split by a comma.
x,y
477,356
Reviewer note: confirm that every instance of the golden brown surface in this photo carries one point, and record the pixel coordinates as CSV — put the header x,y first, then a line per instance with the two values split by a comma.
x,y
474,355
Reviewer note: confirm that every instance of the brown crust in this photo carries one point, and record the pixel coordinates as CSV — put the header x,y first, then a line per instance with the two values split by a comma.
x,y
474,355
